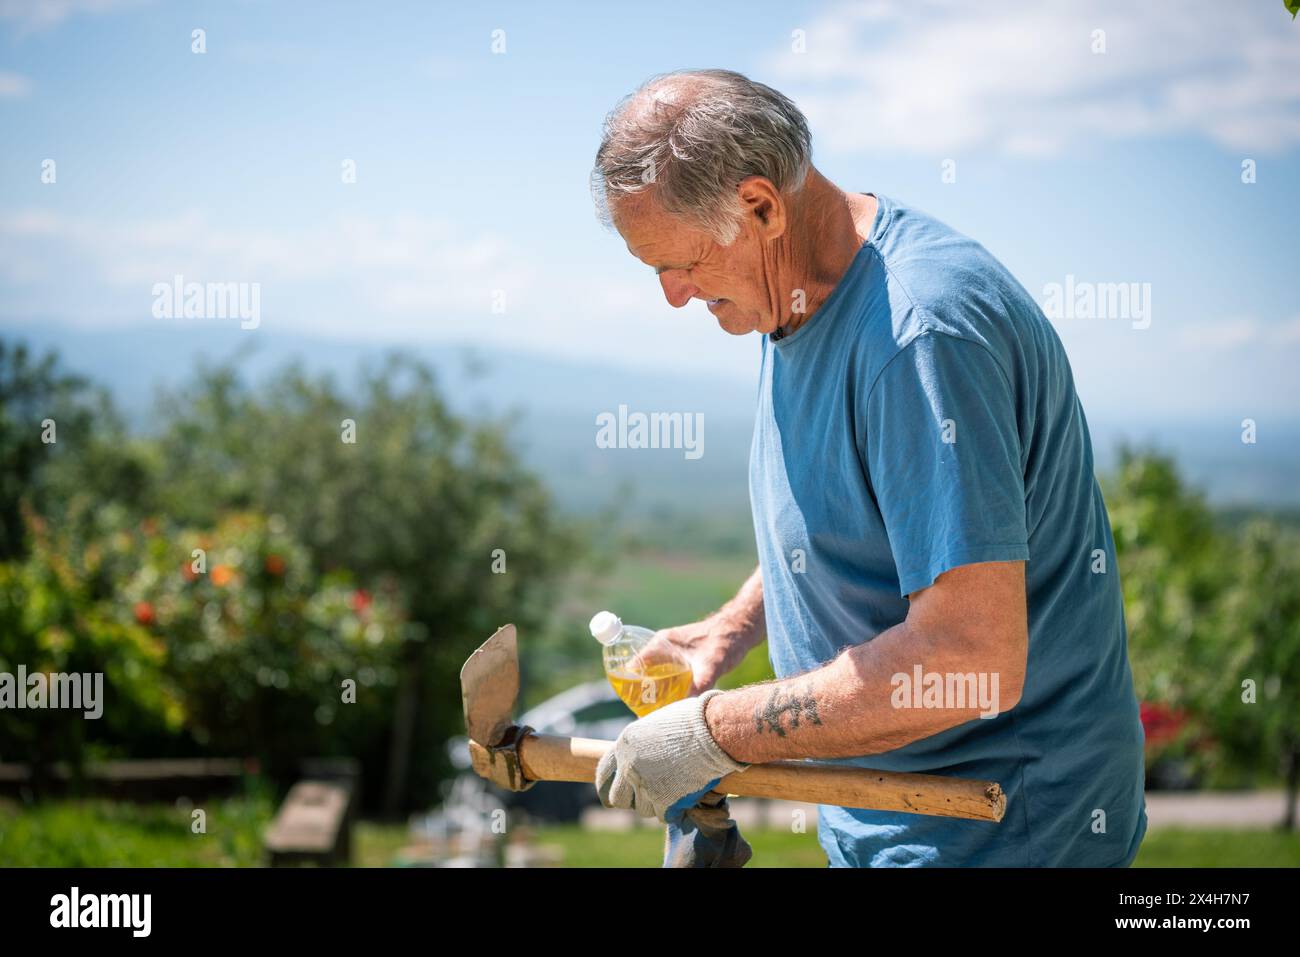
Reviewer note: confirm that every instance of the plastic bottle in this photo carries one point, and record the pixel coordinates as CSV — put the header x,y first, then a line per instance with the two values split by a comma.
x,y
644,673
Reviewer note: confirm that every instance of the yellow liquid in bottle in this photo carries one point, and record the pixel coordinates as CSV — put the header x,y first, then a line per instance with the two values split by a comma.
x,y
652,686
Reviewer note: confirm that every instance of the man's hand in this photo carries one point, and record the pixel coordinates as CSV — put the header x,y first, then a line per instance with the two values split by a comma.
x,y
720,642
661,758
711,648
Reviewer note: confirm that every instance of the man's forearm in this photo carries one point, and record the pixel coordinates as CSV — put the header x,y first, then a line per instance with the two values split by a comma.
x,y
846,707
743,615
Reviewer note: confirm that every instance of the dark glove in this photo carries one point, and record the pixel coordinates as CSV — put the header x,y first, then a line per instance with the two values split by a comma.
x,y
701,833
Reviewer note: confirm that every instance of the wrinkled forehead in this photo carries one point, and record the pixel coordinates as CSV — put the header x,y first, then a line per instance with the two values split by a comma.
x,y
635,213
647,230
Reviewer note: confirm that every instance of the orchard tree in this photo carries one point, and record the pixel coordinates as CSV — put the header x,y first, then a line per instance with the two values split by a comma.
x,y
383,480
1256,710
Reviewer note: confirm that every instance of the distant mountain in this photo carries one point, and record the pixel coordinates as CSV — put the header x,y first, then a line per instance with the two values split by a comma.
x,y
133,360
553,403
557,402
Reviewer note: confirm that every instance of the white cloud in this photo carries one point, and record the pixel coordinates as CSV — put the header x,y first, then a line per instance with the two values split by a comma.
x,y
1238,332
401,264
32,15
398,278
14,85
1020,76
1288,331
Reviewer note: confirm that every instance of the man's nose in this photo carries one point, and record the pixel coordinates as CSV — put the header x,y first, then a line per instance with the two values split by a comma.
x,y
678,290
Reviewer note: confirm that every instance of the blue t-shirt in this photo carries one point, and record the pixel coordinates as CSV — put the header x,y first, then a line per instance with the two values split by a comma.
x,y
925,417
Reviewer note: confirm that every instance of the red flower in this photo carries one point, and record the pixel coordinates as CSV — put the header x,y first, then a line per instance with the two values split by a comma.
x,y
144,613
274,564
1160,722
360,600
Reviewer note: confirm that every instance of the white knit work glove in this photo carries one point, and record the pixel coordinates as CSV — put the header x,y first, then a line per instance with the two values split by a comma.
x,y
661,758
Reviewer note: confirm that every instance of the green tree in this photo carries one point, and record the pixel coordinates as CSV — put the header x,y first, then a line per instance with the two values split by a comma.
x,y
1170,559
63,449
387,482
217,641
259,647
1208,609
1255,711
58,614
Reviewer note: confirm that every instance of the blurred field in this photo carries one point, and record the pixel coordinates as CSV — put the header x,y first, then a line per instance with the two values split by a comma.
x,y
111,834
106,834
643,847
654,589
1178,847
650,586
647,587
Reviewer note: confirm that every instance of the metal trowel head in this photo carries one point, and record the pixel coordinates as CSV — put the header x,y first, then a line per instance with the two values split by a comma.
x,y
489,687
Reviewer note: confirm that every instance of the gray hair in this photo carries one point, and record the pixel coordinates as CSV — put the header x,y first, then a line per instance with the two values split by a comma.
x,y
694,135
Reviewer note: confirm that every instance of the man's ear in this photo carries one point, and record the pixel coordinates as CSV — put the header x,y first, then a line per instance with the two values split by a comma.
x,y
765,203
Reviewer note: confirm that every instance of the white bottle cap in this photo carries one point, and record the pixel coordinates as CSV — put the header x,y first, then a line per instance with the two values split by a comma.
x,y
605,627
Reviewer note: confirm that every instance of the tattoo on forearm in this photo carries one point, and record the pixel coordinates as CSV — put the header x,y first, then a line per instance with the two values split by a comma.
x,y
796,705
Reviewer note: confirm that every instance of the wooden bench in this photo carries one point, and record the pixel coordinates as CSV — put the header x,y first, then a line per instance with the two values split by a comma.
x,y
313,826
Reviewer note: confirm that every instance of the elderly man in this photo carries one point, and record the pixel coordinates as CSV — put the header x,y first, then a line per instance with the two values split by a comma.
x,y
937,580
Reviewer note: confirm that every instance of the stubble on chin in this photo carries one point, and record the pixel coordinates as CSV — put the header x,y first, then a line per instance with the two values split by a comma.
x,y
741,326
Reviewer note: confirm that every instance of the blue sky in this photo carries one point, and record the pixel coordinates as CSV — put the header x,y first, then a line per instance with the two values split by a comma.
x,y
1115,166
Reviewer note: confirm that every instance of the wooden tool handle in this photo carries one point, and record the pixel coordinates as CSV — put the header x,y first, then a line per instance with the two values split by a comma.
x,y
549,757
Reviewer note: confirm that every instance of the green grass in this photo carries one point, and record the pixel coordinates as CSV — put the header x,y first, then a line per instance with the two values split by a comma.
x,y
651,589
1171,847
1178,847
660,590
103,833
377,845
656,590
644,847
110,834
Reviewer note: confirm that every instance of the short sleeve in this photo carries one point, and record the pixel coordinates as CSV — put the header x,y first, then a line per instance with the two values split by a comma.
x,y
942,449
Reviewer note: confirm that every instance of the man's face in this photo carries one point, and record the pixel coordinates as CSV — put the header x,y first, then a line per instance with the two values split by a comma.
x,y
691,265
